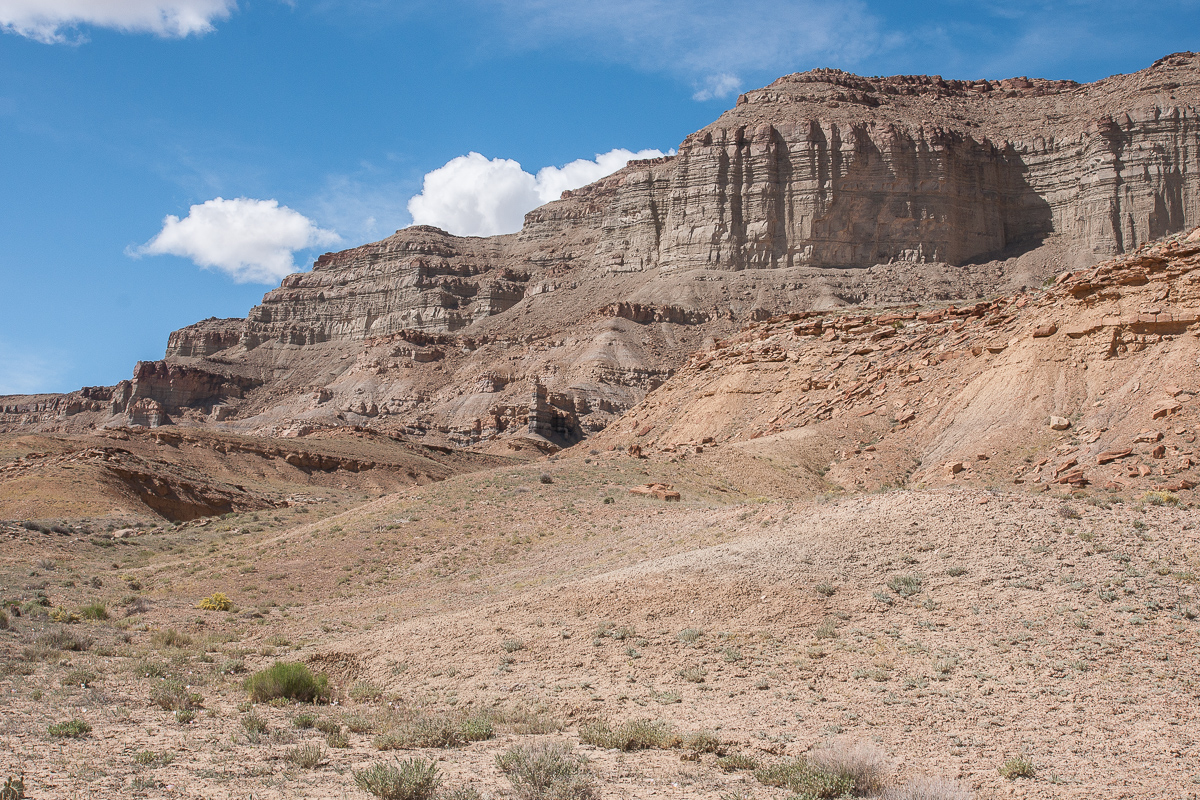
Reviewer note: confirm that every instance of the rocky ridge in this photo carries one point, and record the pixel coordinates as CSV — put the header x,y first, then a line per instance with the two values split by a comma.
x,y
821,191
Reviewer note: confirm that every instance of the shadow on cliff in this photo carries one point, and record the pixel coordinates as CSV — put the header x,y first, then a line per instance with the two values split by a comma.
x,y
942,198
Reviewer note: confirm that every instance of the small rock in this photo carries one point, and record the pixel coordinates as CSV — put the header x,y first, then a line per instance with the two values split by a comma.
x,y
954,467
1059,423
1112,455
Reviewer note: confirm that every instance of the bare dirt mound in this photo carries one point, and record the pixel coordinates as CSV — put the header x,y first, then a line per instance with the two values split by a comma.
x,y
180,474
1091,382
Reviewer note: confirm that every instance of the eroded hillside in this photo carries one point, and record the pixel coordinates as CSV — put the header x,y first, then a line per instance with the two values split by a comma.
x,y
1089,382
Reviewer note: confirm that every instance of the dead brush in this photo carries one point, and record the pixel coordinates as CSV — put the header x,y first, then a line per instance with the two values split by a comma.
x,y
306,756
550,771
633,734
173,695
423,731
862,763
64,640
928,788
525,720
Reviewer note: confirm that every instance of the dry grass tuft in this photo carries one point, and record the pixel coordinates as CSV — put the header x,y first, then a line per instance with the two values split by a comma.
x,y
861,762
411,779
634,734
550,771
927,788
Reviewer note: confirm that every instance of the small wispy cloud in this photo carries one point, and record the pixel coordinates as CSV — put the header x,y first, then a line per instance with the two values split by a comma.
x,y
706,41
58,21
716,87
250,240
473,195
26,372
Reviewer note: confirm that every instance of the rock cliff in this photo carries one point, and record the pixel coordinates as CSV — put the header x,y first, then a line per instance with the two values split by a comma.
x,y
820,191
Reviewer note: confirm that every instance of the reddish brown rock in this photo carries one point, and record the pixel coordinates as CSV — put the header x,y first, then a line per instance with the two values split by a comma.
x,y
1112,455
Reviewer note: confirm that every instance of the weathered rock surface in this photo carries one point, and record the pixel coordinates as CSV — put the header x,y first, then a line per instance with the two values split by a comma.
x,y
977,393
821,191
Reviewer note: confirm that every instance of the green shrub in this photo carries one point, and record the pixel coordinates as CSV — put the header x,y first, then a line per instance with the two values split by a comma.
x,y
693,674
95,610
634,734
805,779
1017,767
411,779
71,729
460,793
690,635
735,762
905,585
337,738
550,771
233,666
326,725
513,645
289,679
3,624
304,720
826,589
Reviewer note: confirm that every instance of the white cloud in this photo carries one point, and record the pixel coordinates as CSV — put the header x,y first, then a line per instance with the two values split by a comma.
x,y
717,86
250,240
707,40
475,196
50,21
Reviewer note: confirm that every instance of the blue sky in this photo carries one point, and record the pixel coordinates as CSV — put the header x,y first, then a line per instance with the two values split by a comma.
x,y
318,120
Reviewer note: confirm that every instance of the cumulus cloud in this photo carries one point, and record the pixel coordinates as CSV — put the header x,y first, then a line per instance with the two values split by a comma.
x,y
51,21
717,86
252,241
473,195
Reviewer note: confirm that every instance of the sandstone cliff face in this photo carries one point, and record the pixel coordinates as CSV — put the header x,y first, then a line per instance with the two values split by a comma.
x,y
830,169
820,191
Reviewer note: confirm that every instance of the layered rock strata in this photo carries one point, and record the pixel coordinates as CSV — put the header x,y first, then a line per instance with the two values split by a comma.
x,y
820,191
